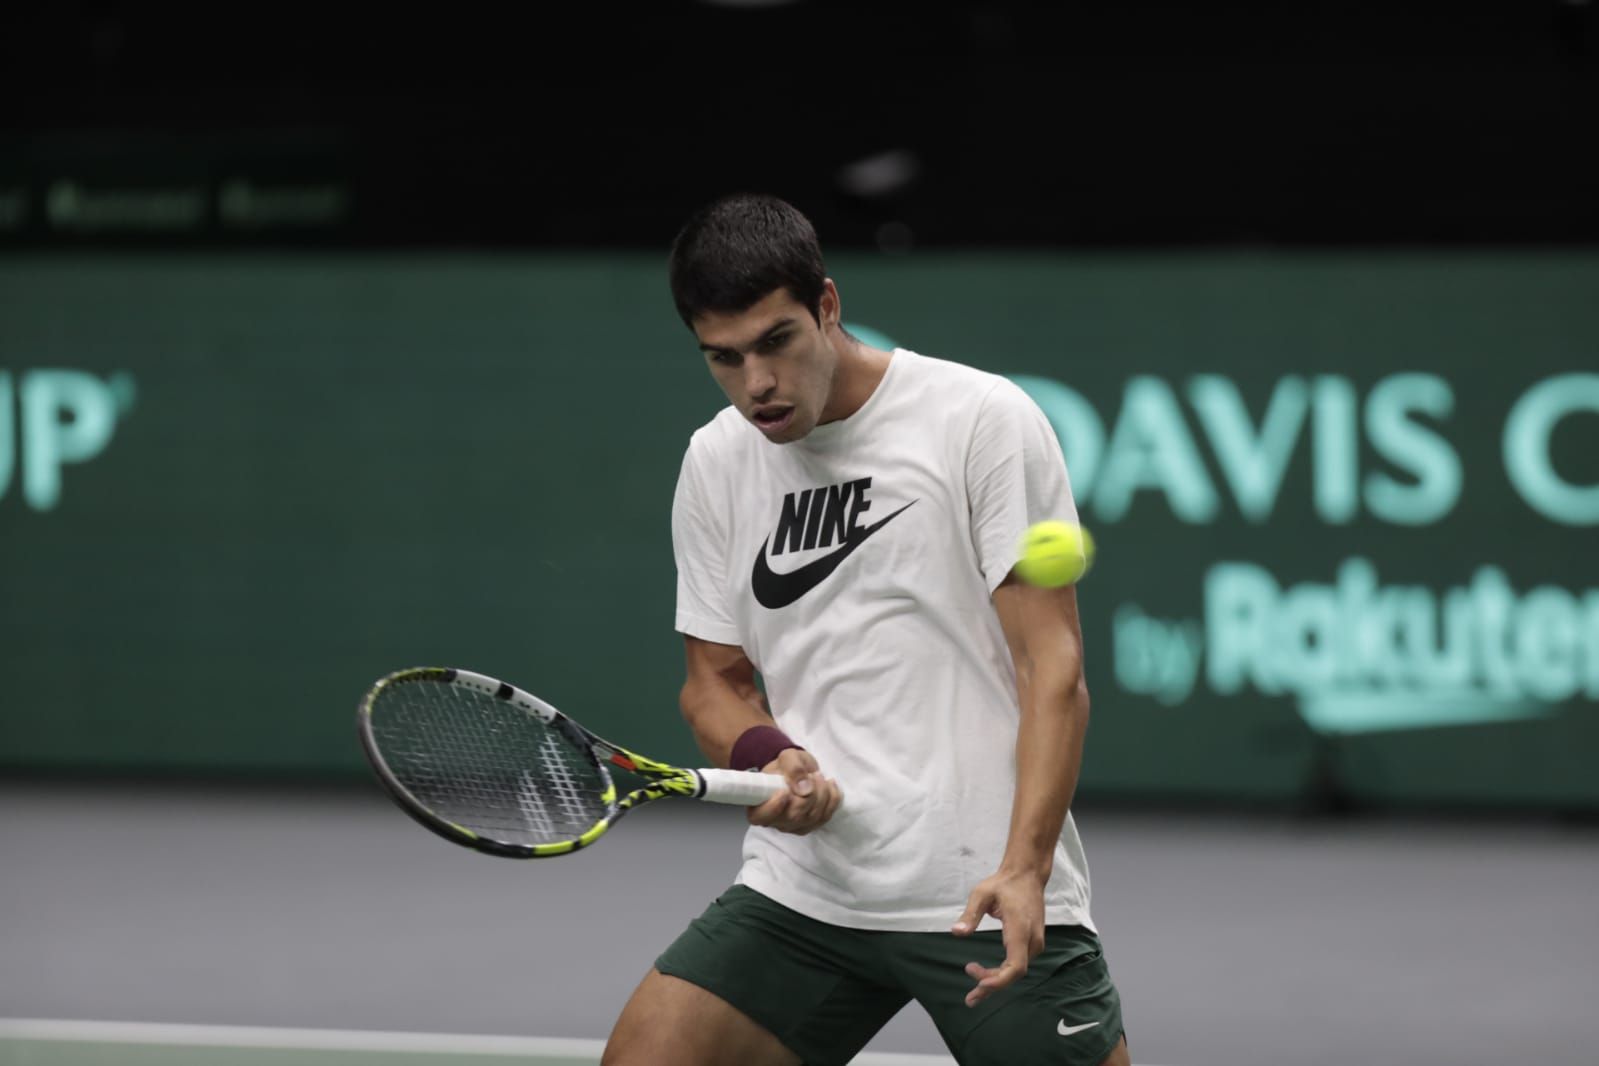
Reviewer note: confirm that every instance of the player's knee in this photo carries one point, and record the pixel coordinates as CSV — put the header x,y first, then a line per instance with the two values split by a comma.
x,y
671,1022
621,1052
635,1046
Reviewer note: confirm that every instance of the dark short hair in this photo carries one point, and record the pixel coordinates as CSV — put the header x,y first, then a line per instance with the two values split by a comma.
x,y
734,252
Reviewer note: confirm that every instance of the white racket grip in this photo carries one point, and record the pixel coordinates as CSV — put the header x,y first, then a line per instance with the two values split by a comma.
x,y
739,787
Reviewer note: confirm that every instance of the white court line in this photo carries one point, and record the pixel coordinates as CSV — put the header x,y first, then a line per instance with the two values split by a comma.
x,y
344,1040
245,1036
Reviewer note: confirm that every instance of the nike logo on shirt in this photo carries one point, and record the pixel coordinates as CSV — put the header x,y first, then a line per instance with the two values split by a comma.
x,y
774,590
1067,1030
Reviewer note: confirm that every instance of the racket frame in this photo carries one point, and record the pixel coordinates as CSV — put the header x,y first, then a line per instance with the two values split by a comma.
x,y
664,779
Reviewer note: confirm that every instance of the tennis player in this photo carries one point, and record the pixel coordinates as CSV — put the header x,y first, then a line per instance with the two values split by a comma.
x,y
846,530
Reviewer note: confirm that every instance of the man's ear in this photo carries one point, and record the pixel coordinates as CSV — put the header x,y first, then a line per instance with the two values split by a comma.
x,y
829,307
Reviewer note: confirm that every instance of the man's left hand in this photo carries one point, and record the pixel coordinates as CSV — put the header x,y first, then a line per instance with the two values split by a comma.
x,y
1017,900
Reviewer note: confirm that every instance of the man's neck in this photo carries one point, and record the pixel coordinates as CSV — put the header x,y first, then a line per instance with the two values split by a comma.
x,y
860,371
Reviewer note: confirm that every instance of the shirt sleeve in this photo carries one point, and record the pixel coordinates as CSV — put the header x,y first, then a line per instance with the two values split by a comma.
x,y
699,546
1015,476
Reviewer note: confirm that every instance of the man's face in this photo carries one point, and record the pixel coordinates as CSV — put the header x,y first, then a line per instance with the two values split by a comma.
x,y
774,361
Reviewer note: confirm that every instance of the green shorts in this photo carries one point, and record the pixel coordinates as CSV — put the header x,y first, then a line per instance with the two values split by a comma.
x,y
824,990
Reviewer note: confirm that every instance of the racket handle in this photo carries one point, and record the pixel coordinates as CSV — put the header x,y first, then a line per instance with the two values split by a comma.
x,y
738,787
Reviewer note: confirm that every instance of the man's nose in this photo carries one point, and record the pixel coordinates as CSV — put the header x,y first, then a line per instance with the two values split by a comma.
x,y
758,378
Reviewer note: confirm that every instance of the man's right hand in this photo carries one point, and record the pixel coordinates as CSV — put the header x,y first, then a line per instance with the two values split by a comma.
x,y
807,803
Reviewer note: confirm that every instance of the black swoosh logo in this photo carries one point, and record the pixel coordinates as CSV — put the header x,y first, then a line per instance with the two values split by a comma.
x,y
776,590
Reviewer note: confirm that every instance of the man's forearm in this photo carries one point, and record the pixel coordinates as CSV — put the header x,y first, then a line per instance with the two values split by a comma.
x,y
1049,755
718,712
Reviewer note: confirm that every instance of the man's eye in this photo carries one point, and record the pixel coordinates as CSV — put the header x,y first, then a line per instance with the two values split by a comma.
x,y
724,358
772,344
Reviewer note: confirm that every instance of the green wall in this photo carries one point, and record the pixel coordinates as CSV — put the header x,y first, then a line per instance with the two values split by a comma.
x,y
1347,505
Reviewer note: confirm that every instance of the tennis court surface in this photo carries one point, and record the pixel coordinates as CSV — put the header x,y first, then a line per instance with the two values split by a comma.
x,y
318,922
40,1042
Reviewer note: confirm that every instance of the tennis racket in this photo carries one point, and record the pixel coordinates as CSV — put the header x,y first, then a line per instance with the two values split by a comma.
x,y
486,765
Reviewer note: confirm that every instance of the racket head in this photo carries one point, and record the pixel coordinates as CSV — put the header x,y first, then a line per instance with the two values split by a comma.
x,y
484,764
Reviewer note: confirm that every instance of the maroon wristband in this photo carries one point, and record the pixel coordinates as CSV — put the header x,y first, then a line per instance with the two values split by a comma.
x,y
757,746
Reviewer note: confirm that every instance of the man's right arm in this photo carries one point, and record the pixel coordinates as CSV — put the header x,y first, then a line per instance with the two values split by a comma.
x,y
720,700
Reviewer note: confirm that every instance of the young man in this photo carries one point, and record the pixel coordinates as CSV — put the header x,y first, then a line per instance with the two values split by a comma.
x,y
846,529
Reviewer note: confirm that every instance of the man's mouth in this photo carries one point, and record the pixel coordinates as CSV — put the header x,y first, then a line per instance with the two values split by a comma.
x,y
773,417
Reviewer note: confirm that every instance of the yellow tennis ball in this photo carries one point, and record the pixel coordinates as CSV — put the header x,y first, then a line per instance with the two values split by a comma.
x,y
1054,554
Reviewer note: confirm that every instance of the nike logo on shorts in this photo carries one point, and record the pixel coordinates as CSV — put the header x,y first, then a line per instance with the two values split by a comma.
x,y
1067,1030
773,590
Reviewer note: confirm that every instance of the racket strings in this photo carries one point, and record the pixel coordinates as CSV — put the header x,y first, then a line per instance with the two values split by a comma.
x,y
559,779
487,765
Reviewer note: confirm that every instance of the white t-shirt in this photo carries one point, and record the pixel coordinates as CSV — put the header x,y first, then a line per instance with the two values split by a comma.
x,y
854,567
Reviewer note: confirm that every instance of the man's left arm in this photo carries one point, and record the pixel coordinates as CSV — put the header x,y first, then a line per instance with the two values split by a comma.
x,y
1046,645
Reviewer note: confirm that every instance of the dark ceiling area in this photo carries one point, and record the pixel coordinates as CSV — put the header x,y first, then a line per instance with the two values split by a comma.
x,y
893,125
